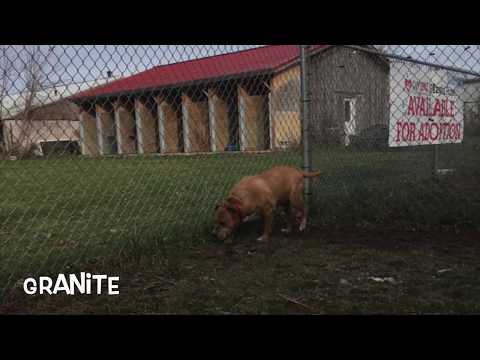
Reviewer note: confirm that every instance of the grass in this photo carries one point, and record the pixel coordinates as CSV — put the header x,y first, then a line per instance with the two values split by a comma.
x,y
68,214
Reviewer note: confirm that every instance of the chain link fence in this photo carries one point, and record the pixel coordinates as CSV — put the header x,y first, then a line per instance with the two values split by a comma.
x,y
108,151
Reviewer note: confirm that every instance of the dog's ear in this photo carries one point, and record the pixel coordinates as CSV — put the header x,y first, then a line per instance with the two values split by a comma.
x,y
232,201
228,203
232,204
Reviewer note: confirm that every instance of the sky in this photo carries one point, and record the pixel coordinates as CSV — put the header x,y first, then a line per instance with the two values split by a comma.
x,y
67,64
461,56
84,63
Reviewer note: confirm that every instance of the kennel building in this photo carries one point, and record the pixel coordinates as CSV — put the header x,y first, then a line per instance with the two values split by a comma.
x,y
243,101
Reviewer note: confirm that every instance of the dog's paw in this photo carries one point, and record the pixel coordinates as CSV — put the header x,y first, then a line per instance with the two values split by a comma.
x,y
303,226
287,230
262,239
251,217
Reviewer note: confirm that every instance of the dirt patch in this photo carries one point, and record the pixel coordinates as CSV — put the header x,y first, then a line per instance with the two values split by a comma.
x,y
393,239
329,270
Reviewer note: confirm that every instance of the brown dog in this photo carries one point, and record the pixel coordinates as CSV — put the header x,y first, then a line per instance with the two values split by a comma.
x,y
261,194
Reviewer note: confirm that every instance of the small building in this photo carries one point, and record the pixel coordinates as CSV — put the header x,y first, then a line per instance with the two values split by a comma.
x,y
243,101
471,111
49,124
350,93
42,129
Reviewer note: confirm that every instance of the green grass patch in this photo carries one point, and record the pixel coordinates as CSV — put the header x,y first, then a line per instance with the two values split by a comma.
x,y
62,213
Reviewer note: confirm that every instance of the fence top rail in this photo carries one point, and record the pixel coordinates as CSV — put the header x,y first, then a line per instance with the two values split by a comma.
x,y
416,61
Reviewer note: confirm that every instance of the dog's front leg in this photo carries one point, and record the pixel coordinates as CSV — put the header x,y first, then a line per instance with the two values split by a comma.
x,y
268,218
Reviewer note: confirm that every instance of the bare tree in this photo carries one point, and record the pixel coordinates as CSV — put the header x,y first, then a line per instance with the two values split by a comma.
x,y
35,80
6,68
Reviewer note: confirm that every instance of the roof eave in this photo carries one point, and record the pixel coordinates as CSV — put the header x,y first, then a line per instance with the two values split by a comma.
x,y
172,86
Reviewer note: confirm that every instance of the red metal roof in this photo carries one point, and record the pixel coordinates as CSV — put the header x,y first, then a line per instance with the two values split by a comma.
x,y
263,59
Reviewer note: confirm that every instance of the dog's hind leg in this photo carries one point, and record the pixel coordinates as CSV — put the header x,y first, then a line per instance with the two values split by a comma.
x,y
299,212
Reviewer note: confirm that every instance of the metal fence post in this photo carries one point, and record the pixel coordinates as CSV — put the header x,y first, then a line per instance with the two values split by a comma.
x,y
305,120
435,161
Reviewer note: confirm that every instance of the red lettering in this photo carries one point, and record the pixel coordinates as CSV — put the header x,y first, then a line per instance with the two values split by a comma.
x,y
411,132
458,132
408,85
444,131
455,132
406,128
422,132
444,108
422,107
398,126
436,132
418,104
411,105
447,131
437,108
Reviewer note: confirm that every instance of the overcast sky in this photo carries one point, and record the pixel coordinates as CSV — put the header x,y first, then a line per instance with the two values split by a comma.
x,y
462,56
85,63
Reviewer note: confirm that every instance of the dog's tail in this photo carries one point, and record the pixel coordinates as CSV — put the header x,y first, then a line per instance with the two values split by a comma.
x,y
311,174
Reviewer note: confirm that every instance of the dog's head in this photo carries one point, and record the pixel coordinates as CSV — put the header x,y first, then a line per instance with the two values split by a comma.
x,y
228,215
